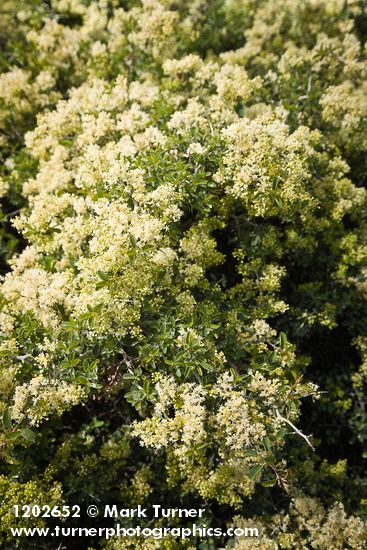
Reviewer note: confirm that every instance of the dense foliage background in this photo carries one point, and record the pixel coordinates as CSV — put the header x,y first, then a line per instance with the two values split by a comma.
x,y
184,260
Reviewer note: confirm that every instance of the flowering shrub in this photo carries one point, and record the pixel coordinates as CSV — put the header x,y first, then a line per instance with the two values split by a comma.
x,y
184,259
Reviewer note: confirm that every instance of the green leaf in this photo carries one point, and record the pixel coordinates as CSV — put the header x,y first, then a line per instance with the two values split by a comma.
x,y
102,275
268,483
251,452
254,471
29,435
283,340
7,419
95,385
82,380
128,376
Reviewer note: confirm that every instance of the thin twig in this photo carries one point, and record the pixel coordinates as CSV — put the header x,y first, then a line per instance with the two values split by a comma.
x,y
282,482
298,432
